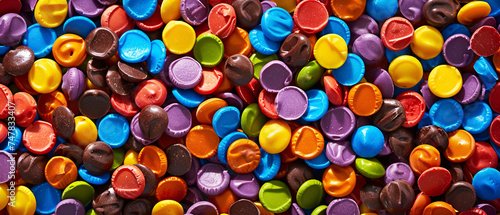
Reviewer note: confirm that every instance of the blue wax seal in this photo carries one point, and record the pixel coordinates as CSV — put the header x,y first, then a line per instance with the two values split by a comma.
x,y
114,130
477,117
268,167
79,25
367,141
320,162
157,57
13,140
495,7
391,55
487,184
276,24
381,10
453,29
261,43
226,142
486,72
39,39
351,72
93,179
428,65
140,10
226,120
188,98
482,136
336,26
47,197
447,114
4,49
317,105
134,46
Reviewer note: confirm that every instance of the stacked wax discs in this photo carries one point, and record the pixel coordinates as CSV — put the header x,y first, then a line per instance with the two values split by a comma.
x,y
337,107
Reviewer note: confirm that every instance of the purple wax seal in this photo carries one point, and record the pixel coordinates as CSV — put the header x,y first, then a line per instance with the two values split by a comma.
x,y
203,208
429,98
471,88
185,72
488,21
369,47
137,132
164,72
12,29
194,12
363,25
484,94
193,195
338,123
340,153
412,9
343,206
382,80
399,171
213,179
73,83
70,206
245,186
386,150
266,5
190,176
71,10
88,8
274,76
489,209
6,162
296,210
232,100
179,122
457,51
291,103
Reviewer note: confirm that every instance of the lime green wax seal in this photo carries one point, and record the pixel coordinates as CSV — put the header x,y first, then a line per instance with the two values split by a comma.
x,y
275,196
208,50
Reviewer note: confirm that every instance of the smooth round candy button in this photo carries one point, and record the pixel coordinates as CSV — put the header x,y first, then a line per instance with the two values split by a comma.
x,y
310,194
185,72
134,46
276,24
339,181
433,42
310,16
85,132
461,146
291,103
252,120
48,197
79,190
202,141
396,33
113,129
69,50
472,12
406,71
140,10
445,81
222,20
25,202
309,75
485,41
424,157
447,114
367,141
213,179
399,171
330,51
179,37
275,136
275,196
45,75
364,99
434,181
369,48
456,50
486,184
477,117
370,167
40,47
39,137
348,13
351,72
51,13
243,156
335,118
208,50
